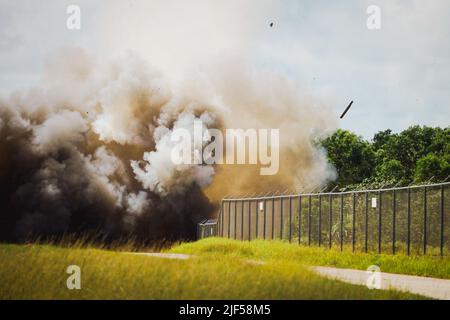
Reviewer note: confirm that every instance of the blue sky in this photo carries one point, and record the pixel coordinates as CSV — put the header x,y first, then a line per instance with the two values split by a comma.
x,y
398,76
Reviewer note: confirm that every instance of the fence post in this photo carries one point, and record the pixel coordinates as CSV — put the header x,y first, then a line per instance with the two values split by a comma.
x,y
235,219
281,218
353,222
442,221
290,219
309,220
257,220
342,222
221,219
273,216
264,219
242,220
424,220
249,220
330,220
408,245
320,220
379,222
299,219
394,207
366,228
229,219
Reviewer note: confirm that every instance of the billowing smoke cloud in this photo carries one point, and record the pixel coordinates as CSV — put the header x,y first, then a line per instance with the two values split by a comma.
x,y
98,159
89,148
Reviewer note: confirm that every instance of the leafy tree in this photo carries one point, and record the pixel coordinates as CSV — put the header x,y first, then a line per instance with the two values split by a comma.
x,y
391,170
415,154
432,167
353,157
381,138
409,146
441,142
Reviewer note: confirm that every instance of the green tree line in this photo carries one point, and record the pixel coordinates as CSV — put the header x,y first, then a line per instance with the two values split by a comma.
x,y
415,155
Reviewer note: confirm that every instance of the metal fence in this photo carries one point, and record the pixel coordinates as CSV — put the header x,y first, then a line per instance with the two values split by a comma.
x,y
411,220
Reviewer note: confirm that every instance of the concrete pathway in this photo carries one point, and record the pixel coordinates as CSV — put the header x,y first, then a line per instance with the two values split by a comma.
x,y
179,256
430,287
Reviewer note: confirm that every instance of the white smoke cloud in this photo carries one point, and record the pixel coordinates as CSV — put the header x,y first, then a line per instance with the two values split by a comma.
x,y
160,174
129,101
62,127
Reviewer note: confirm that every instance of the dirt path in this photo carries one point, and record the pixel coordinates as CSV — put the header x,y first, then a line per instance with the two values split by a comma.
x,y
430,287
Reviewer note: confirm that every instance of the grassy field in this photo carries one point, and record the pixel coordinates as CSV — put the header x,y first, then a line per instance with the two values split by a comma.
x,y
220,270
428,266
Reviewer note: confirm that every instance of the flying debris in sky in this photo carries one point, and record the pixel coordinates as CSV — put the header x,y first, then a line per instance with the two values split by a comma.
x,y
346,109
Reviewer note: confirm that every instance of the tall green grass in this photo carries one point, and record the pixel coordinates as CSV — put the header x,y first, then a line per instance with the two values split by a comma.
x,y
39,272
282,251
